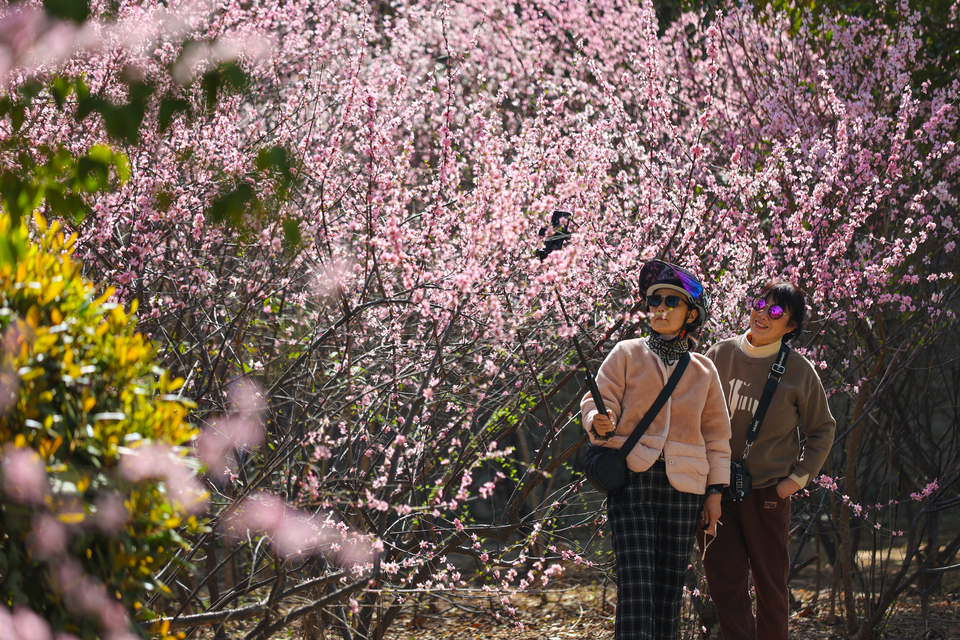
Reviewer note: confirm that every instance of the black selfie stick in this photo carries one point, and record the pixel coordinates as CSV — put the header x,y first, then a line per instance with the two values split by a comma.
x,y
559,221
591,379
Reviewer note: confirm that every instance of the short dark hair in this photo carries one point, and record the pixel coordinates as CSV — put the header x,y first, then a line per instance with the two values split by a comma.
x,y
790,297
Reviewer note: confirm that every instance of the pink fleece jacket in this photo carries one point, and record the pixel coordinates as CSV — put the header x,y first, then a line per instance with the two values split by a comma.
x,y
692,429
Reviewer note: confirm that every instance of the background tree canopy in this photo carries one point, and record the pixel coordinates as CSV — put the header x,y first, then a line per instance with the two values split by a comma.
x,y
328,219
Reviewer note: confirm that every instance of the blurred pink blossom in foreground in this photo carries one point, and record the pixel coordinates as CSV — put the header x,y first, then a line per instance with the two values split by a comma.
x,y
86,596
10,344
24,476
111,514
247,399
295,532
9,386
160,462
23,624
48,537
241,430
32,41
332,277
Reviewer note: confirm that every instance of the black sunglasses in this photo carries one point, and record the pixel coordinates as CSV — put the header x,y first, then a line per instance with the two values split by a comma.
x,y
672,301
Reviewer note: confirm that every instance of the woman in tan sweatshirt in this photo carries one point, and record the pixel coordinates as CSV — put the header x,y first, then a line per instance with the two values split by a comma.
x,y
753,535
685,450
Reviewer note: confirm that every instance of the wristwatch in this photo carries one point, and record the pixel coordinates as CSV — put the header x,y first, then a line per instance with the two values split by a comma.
x,y
714,489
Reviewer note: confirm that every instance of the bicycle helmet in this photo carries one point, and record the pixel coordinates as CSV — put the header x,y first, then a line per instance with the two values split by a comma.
x,y
656,274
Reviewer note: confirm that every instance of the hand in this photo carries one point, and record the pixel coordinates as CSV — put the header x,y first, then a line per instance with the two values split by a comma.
x,y
711,513
603,424
786,488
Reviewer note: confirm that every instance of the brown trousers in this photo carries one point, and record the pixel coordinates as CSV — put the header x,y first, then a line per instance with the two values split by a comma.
x,y
751,539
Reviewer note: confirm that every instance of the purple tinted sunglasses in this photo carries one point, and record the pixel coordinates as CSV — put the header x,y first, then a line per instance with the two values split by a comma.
x,y
774,311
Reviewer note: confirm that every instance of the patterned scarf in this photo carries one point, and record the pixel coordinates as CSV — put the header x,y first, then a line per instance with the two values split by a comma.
x,y
668,350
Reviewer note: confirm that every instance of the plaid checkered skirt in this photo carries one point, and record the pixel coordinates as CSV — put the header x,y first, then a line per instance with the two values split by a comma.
x,y
653,532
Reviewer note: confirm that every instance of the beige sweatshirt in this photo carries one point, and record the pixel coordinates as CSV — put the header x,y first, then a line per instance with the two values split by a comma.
x,y
799,404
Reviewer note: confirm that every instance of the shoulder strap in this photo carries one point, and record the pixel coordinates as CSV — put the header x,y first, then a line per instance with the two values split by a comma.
x,y
773,379
652,412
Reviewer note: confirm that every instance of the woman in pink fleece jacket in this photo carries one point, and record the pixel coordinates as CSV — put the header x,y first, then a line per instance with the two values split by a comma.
x,y
684,454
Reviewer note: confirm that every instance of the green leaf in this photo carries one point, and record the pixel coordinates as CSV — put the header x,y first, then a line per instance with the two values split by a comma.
x,y
13,248
93,174
83,91
57,203
76,209
60,88
228,76
17,115
211,88
86,105
75,10
169,108
232,205
291,233
123,122
101,153
31,90
274,159
122,164
234,77
163,200
20,197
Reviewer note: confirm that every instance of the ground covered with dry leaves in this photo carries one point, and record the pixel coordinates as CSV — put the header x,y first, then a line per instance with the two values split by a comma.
x,y
585,610
583,606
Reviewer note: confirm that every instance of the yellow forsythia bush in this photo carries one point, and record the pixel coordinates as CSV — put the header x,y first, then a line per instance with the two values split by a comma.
x,y
97,486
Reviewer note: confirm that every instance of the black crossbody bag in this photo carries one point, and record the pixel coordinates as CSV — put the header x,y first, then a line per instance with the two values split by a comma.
x,y
606,468
741,484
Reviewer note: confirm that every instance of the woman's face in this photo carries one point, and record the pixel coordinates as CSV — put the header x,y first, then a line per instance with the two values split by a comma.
x,y
765,330
670,320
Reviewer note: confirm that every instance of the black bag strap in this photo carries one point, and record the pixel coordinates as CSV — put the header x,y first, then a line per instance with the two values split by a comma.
x,y
773,379
654,409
